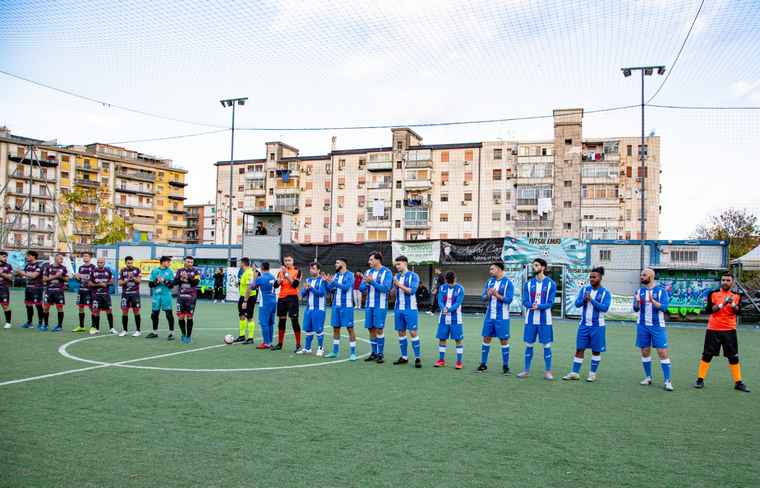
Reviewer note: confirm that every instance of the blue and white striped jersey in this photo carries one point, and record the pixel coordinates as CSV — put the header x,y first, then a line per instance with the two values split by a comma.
x,y
649,315
498,309
407,301
314,293
342,285
450,297
543,294
592,312
377,289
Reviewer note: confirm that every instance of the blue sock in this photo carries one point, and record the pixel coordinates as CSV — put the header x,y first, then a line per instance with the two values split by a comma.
x,y
380,344
505,355
309,339
528,356
665,364
442,352
548,357
321,340
416,346
647,363
484,350
577,364
336,346
595,360
460,353
352,347
403,344
373,344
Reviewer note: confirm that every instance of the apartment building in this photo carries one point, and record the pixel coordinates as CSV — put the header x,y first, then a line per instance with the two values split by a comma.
x,y
201,223
566,186
147,191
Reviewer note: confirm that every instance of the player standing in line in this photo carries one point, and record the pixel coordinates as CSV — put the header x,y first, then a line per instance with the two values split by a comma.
x,y
538,297
6,281
377,283
405,313
32,273
594,300
498,292
160,282
342,284
100,282
129,280
651,303
54,277
450,325
247,301
187,279
723,307
314,291
288,279
266,284
84,296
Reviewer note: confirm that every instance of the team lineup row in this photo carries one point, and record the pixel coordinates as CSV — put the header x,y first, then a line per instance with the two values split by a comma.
x,y
280,295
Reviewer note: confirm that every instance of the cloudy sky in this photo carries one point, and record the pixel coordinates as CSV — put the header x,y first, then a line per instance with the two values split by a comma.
x,y
336,63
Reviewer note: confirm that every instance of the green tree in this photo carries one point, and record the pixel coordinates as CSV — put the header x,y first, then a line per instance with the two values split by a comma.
x,y
92,217
737,226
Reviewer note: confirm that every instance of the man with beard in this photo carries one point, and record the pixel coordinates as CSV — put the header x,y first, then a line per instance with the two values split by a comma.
x,y
651,303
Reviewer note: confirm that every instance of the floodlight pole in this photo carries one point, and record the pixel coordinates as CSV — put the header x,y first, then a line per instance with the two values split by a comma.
x,y
643,150
232,102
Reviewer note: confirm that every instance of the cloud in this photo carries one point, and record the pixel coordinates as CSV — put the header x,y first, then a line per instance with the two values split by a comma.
x,y
746,90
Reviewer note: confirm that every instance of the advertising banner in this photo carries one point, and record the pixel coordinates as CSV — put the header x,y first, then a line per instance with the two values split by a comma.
x,y
568,252
471,251
425,252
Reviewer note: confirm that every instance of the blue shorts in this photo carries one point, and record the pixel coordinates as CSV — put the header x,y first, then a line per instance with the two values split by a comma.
x,y
591,338
161,301
342,317
405,319
545,334
314,321
374,318
495,328
453,331
651,336
266,314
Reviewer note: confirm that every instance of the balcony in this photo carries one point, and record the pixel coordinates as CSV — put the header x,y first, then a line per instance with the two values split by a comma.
x,y
137,175
23,226
422,163
176,211
86,183
21,175
380,165
179,184
417,203
417,224
178,224
533,223
26,194
375,223
255,175
286,207
527,202
35,211
177,197
137,219
135,191
50,163
418,184
379,185
255,192
89,169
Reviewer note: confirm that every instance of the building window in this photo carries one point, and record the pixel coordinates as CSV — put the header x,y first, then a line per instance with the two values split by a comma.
x,y
398,184
398,224
307,204
568,183
605,255
543,151
468,217
568,142
241,187
567,204
468,155
444,177
443,235
444,217
399,165
496,216
241,171
341,164
467,177
567,226
684,256
271,156
497,175
64,174
497,197
497,153
468,197
398,203
444,197
399,145
444,156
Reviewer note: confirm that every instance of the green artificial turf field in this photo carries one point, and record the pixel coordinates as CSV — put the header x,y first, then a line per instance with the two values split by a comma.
x,y
359,424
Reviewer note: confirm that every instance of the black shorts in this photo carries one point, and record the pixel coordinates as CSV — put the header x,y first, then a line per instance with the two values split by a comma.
x,y
101,302
33,296
84,298
250,305
186,305
5,296
715,339
130,301
287,306
54,297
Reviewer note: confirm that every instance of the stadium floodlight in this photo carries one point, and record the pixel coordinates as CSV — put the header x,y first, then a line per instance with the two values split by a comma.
x,y
231,102
645,70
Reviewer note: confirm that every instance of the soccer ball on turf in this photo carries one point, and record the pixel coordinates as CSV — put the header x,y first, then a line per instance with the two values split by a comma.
x,y
228,339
